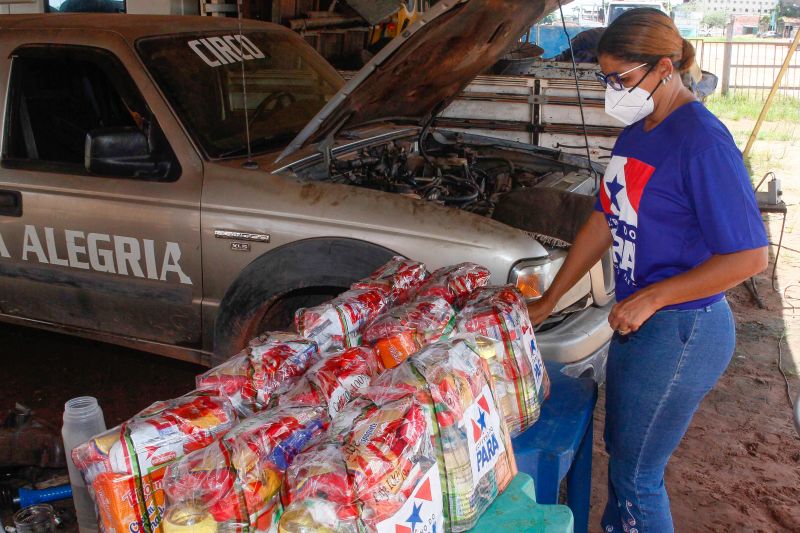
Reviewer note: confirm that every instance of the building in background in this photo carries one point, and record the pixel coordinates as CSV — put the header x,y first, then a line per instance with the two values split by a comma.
x,y
737,7
787,27
688,22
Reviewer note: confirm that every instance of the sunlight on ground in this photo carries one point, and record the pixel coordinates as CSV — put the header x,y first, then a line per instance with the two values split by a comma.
x,y
777,150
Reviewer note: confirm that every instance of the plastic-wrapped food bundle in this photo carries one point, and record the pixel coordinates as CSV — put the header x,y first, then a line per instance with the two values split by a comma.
x,y
235,484
520,379
398,278
473,445
382,476
455,282
392,464
337,324
334,381
317,494
270,363
125,465
403,330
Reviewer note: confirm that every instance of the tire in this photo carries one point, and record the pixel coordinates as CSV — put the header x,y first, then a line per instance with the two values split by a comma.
x,y
269,290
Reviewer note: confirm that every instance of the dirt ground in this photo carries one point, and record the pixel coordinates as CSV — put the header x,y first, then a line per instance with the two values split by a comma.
x,y
738,468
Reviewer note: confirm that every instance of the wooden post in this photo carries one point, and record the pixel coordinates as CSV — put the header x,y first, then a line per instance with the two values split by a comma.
x,y
726,59
775,86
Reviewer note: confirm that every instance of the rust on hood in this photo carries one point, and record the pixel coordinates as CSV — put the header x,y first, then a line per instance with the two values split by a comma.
x,y
427,66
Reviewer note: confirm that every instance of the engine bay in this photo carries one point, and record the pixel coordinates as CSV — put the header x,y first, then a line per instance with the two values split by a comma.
x,y
471,178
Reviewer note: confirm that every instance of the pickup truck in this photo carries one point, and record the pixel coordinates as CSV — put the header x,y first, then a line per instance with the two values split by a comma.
x,y
180,184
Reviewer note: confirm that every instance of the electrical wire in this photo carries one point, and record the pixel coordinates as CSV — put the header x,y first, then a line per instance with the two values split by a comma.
x,y
249,163
780,353
580,98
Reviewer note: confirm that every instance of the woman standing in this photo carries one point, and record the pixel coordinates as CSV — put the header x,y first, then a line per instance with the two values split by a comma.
x,y
677,206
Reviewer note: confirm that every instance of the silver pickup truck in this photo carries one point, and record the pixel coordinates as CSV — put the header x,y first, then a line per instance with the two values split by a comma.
x,y
179,184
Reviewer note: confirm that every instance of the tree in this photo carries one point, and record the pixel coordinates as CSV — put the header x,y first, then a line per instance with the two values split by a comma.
x,y
715,19
550,19
789,8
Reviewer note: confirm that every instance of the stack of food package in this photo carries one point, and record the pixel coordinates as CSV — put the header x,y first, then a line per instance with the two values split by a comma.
x,y
376,468
337,324
428,446
423,443
334,381
124,466
429,316
518,372
234,485
452,380
253,378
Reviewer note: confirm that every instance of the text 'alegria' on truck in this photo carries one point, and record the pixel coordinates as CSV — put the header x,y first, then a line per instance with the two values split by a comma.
x,y
130,211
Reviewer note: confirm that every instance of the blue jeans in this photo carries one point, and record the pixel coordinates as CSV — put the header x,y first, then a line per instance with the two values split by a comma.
x,y
655,381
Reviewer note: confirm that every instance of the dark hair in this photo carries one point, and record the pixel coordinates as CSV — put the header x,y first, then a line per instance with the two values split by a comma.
x,y
646,35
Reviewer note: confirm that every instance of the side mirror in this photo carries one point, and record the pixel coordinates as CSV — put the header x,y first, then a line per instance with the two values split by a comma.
x,y
122,152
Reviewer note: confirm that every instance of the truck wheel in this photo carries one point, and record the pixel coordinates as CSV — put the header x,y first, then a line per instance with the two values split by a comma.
x,y
278,314
270,289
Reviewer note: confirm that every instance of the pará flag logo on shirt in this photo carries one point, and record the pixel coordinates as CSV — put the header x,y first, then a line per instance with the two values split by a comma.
x,y
623,185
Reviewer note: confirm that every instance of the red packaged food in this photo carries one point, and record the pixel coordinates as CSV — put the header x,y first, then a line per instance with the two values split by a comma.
x,y
403,330
518,372
398,278
251,379
236,482
124,466
382,472
337,324
454,283
334,381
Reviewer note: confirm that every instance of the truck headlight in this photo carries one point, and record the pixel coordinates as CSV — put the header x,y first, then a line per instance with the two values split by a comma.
x,y
533,277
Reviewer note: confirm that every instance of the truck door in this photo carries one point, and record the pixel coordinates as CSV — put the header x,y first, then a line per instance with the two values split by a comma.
x,y
99,218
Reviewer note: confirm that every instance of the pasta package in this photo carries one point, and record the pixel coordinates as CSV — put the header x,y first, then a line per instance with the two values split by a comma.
x,y
252,379
398,278
337,324
124,466
454,283
335,380
519,376
403,330
235,484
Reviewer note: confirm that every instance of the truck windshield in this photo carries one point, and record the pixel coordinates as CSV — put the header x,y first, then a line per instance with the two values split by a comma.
x,y
286,84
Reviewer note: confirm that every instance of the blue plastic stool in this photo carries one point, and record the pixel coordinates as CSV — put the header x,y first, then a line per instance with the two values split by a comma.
x,y
516,511
560,444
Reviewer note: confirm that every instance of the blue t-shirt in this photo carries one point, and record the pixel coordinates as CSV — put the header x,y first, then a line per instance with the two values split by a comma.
x,y
674,196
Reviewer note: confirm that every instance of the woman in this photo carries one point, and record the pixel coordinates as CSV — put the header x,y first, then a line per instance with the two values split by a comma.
x,y
677,206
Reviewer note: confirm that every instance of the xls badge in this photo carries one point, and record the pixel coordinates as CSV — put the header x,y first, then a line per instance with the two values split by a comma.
x,y
484,440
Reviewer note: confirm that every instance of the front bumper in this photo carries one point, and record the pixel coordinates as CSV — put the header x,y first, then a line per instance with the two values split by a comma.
x,y
581,335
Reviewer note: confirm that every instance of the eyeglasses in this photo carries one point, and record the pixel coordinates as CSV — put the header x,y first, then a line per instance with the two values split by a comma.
x,y
615,80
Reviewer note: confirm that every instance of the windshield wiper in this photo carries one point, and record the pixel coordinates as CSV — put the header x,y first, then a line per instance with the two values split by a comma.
x,y
260,144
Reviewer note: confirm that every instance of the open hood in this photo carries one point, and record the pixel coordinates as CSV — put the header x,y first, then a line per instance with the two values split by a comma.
x,y
426,66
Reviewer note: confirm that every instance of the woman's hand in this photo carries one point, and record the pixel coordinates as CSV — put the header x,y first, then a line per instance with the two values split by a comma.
x,y
628,315
540,310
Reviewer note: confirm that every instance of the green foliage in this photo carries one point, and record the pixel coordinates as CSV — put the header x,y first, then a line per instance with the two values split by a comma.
x,y
745,107
788,8
715,19
551,18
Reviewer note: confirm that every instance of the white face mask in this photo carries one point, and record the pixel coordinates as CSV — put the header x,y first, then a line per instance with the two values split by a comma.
x,y
629,106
